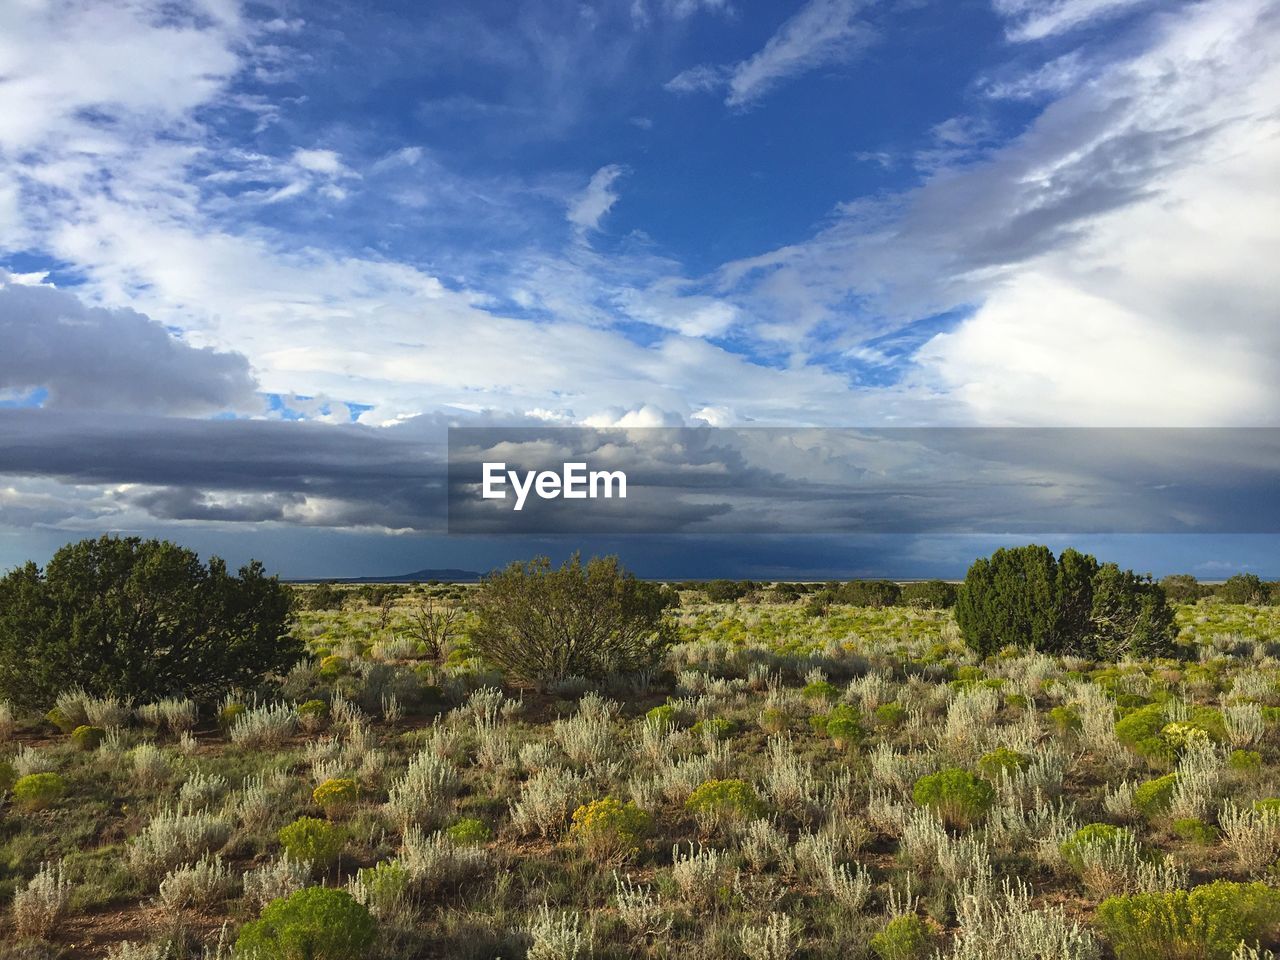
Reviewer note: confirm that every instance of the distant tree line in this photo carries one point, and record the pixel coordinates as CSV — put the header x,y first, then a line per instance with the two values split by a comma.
x,y
933,594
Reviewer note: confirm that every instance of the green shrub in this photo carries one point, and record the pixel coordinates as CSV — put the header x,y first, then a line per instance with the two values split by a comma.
x,y
60,720
1065,720
1142,731
1195,830
88,738
890,715
664,716
957,796
1207,923
843,724
336,795
774,720
314,840
724,802
717,728
1002,760
1153,797
820,690
540,624
611,830
36,791
139,619
8,775
1269,805
469,831
313,711
1074,849
317,923
928,594
333,666
1245,761
904,938
229,714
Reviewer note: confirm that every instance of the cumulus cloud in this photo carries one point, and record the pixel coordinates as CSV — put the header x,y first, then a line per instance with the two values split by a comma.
x,y
93,358
821,33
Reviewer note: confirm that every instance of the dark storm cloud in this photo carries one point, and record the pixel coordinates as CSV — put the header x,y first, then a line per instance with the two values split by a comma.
x,y
703,481
92,358
237,470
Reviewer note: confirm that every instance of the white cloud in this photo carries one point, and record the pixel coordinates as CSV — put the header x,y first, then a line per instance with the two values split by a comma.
x,y
1116,260
588,208
326,162
140,63
1050,79
1037,19
700,79
822,32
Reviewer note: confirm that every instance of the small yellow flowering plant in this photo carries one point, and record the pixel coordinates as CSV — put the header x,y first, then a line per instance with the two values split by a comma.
x,y
611,830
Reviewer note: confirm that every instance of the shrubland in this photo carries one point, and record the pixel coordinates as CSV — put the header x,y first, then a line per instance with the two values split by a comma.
x,y
707,779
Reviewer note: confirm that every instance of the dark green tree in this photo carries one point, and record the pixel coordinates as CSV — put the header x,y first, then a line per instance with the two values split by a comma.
x,y
538,623
1244,588
1130,617
1025,597
1183,588
139,619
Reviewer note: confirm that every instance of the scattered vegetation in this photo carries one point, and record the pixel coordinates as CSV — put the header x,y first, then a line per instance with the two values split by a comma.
x,y
663,774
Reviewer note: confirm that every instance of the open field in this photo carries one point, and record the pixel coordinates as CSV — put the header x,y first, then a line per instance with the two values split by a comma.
x,y
761,797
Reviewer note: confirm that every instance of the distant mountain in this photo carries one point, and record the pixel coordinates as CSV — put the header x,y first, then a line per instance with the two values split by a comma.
x,y
447,575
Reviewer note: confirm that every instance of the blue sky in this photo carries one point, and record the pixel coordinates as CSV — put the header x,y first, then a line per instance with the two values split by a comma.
x,y
392,217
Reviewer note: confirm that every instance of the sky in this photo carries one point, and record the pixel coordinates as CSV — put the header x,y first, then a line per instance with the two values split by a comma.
x,y
256,259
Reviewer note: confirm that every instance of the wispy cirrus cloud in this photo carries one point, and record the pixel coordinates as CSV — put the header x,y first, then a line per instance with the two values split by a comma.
x,y
1037,19
821,33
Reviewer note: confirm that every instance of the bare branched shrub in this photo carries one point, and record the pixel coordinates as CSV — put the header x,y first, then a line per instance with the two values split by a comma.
x,y
29,760
999,924
763,845
1245,725
150,765
202,789
434,624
